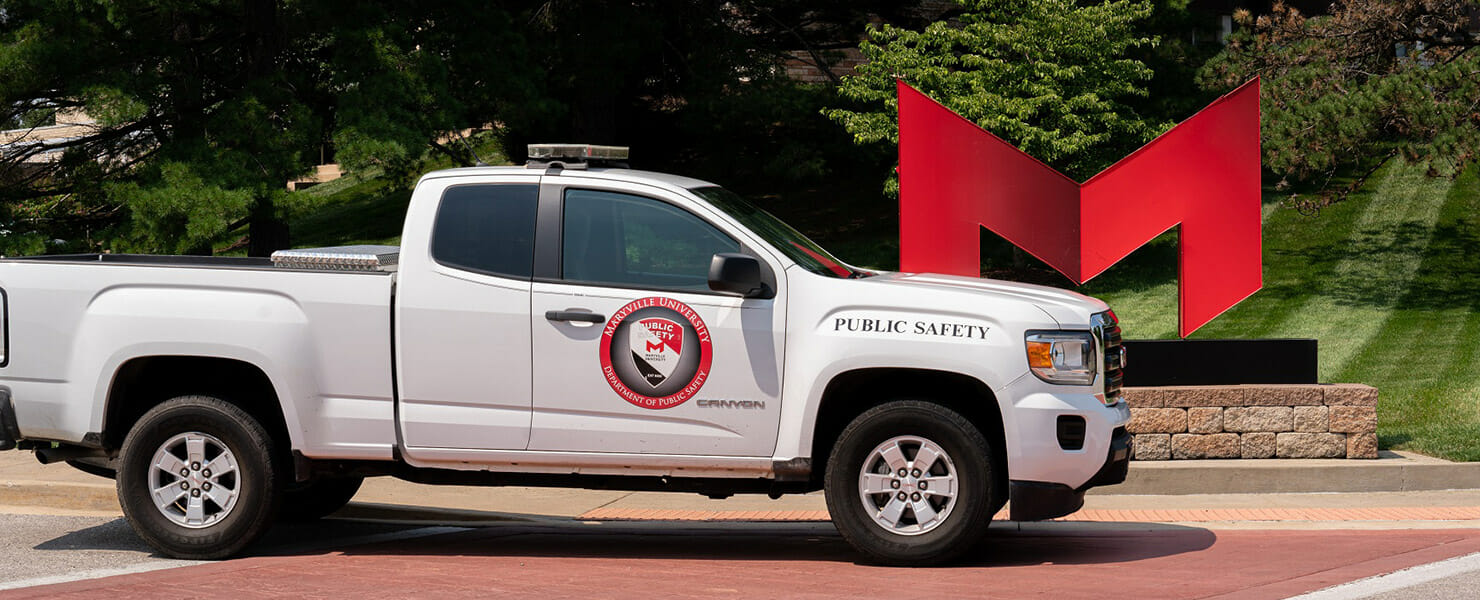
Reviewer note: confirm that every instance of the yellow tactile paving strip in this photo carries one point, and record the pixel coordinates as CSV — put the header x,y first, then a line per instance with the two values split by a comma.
x,y
1409,513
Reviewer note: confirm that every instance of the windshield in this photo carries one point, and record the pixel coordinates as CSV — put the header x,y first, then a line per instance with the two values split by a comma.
x,y
789,241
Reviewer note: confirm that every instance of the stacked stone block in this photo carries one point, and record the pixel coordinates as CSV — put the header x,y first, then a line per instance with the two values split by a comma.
x,y
1253,421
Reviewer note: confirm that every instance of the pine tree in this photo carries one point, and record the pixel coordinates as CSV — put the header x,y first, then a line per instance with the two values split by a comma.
x,y
1374,78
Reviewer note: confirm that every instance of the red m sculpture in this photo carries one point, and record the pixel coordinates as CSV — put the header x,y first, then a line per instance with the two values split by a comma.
x,y
1203,175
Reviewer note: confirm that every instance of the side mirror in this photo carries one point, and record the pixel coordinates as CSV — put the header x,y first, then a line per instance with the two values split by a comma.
x,y
734,273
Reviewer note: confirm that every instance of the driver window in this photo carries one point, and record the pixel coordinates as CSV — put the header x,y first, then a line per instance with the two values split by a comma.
x,y
632,241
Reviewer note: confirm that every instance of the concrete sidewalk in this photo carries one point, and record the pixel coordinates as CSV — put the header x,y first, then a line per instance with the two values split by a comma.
x,y
1400,491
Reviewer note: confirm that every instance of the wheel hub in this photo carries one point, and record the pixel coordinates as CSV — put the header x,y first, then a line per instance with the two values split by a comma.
x,y
908,485
193,480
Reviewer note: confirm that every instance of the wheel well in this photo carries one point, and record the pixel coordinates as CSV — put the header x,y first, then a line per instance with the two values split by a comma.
x,y
851,393
143,383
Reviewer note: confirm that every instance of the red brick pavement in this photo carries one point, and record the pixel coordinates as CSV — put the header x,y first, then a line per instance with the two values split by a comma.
x,y
796,560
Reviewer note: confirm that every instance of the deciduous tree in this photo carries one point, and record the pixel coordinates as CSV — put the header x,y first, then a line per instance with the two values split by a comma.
x,y
1053,77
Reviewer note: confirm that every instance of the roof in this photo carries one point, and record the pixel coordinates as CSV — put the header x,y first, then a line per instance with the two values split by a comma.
x,y
632,175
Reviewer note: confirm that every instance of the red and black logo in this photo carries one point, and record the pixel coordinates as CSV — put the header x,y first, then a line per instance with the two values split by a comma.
x,y
655,352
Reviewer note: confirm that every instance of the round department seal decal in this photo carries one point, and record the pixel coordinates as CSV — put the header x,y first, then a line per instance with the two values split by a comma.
x,y
655,352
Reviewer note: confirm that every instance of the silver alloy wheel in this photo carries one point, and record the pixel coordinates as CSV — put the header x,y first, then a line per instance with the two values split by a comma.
x,y
193,480
908,485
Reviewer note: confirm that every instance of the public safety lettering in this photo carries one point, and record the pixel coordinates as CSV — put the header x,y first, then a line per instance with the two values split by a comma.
x,y
911,327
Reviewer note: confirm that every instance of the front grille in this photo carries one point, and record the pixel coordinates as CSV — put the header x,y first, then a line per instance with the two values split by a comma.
x,y
1107,329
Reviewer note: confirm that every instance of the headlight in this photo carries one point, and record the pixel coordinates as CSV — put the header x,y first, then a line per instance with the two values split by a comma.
x,y
1066,357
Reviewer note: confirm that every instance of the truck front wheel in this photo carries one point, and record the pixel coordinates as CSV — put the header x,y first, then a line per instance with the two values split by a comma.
x,y
196,478
910,483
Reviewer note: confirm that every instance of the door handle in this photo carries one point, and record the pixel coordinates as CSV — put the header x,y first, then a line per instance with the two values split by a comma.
x,y
570,315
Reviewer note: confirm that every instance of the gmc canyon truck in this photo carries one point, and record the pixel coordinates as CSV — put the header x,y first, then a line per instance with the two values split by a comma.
x,y
569,323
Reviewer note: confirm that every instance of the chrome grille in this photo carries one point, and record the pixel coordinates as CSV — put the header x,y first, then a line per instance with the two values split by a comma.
x,y
1107,331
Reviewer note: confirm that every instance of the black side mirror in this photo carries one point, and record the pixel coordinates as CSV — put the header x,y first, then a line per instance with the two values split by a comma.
x,y
738,274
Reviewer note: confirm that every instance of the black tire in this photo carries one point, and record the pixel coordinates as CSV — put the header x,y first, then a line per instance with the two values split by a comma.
x,y
255,478
972,507
318,498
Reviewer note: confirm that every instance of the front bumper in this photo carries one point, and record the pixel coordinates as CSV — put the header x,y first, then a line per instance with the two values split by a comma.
x,y
10,431
1037,500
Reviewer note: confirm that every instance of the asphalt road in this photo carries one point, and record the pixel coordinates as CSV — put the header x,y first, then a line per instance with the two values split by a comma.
x,y
1454,578
39,547
1460,585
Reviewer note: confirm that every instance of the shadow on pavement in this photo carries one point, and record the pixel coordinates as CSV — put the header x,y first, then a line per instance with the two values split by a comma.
x,y
112,535
315,537
785,542
1005,545
1077,544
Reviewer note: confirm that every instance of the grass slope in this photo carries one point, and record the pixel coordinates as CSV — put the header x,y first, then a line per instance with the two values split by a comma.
x,y
356,209
1389,283
367,207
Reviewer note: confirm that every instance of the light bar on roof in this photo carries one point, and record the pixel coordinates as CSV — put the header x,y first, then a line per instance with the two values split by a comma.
x,y
576,152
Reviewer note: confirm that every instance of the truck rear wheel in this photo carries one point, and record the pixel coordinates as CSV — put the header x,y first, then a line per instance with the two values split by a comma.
x,y
318,498
196,478
910,483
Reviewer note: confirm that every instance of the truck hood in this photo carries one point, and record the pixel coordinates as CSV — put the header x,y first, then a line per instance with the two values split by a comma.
x,y
1070,309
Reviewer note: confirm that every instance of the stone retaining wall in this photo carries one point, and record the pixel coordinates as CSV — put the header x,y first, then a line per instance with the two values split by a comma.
x,y
1253,421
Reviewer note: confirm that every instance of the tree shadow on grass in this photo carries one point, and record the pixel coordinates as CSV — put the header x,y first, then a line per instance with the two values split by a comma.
x,y
1449,275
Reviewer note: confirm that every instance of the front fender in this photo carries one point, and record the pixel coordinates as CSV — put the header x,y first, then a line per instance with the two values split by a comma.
x,y
799,417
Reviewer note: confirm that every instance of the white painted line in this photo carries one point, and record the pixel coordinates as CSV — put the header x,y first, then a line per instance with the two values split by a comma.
x,y
144,567
1397,580
166,563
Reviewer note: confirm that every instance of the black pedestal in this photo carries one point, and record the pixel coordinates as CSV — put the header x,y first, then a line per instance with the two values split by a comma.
x,y
1219,362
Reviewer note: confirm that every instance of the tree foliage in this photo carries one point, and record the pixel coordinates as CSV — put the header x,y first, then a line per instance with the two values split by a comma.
x,y
202,104
1053,77
697,87
1373,78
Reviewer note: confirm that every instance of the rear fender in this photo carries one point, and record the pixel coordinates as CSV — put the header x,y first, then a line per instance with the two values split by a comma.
x,y
266,330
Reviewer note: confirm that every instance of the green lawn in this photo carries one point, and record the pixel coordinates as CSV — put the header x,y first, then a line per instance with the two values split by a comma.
x,y
351,210
364,208
1389,283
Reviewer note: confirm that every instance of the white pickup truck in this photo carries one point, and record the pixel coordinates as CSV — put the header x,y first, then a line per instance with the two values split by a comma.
x,y
568,323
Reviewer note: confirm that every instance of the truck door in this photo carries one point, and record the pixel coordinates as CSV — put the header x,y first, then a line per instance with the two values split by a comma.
x,y
462,315
632,351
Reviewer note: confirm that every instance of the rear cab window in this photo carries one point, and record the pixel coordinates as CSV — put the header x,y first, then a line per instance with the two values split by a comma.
x,y
487,229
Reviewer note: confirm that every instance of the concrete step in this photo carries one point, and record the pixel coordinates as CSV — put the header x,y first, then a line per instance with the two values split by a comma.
x,y
1390,472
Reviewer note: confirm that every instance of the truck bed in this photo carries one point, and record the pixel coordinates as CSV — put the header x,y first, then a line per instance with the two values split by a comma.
x,y
71,322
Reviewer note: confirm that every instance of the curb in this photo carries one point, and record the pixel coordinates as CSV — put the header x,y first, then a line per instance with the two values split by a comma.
x,y
1390,472
1468,514
66,495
